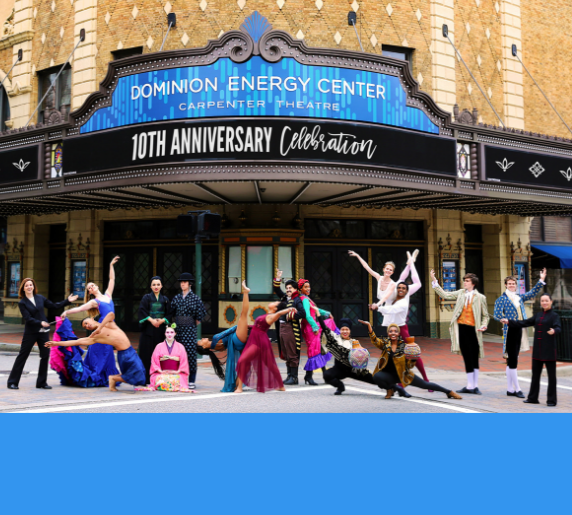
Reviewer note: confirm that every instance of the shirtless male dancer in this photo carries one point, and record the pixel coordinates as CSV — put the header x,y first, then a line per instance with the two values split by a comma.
x,y
109,333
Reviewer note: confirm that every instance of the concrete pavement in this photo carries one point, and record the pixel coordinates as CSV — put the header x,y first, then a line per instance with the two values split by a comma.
x,y
359,397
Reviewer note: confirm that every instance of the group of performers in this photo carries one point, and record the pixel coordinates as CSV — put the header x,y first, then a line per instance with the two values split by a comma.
x,y
167,350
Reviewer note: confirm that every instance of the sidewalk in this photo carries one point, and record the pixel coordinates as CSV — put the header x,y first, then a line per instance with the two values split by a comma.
x,y
436,353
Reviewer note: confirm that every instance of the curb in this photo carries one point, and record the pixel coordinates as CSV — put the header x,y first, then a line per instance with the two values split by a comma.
x,y
15,347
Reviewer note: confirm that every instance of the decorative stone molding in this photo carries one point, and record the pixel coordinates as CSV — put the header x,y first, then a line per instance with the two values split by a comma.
x,y
16,39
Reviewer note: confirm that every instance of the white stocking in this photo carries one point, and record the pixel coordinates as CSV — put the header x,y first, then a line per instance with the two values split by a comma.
x,y
514,373
509,385
470,381
476,377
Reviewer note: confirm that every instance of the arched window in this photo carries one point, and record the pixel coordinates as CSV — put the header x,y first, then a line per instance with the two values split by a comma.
x,y
4,109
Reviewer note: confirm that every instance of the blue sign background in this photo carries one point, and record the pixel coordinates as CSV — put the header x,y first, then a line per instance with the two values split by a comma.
x,y
391,110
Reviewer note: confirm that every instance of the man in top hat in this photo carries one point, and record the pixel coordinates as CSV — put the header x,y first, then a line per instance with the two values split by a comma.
x,y
188,311
288,333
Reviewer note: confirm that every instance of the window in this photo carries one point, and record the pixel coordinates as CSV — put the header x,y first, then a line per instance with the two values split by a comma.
x,y
127,52
4,109
551,229
285,263
56,105
259,269
397,52
234,270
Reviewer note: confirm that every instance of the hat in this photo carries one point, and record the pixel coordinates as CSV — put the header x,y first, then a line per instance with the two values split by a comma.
x,y
185,276
302,282
346,322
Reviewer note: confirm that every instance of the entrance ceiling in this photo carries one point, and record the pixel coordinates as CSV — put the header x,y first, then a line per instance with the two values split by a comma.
x,y
344,195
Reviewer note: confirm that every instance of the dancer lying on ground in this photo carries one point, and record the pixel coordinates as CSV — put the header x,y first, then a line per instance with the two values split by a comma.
x,y
393,367
108,333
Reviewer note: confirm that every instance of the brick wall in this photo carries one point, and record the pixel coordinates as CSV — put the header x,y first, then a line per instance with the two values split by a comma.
x,y
483,30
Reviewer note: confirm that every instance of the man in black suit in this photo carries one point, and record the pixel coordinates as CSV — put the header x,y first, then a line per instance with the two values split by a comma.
x,y
36,330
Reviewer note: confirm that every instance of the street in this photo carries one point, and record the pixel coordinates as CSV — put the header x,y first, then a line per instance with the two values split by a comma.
x,y
358,397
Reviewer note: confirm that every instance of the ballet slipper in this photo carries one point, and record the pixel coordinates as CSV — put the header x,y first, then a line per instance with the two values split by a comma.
x,y
415,254
409,258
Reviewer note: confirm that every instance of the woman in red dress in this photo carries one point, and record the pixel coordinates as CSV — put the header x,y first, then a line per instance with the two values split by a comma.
x,y
257,366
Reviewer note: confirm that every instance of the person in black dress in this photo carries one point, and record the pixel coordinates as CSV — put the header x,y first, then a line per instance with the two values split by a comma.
x,y
546,326
36,330
188,310
153,319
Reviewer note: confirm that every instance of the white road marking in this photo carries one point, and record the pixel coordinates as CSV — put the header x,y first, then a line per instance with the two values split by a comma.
x,y
417,401
527,380
190,397
165,398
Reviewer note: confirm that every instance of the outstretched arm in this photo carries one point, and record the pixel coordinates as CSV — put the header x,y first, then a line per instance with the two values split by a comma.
x,y
364,264
110,317
386,294
72,343
92,304
272,317
111,285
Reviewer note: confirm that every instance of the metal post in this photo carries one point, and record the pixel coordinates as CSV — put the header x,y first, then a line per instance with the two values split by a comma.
x,y
172,20
18,59
446,35
198,274
515,54
81,38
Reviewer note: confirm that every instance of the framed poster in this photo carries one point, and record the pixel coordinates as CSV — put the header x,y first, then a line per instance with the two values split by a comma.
x,y
450,273
78,277
520,273
14,269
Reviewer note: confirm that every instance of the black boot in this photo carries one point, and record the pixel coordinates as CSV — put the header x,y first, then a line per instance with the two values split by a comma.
x,y
288,374
401,391
341,389
293,377
308,378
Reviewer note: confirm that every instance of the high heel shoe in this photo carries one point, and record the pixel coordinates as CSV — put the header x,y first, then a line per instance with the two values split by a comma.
x,y
308,379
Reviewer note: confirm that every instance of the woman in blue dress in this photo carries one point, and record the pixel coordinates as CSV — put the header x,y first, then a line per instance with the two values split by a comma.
x,y
100,358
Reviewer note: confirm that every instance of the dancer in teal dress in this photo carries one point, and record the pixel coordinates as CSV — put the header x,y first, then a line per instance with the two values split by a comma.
x,y
233,341
100,358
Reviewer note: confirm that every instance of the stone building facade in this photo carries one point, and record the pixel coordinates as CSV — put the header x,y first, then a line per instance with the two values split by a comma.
x,y
483,31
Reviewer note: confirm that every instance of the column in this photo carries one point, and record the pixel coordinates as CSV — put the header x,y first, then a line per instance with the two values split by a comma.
x,y
444,86
513,94
84,80
21,91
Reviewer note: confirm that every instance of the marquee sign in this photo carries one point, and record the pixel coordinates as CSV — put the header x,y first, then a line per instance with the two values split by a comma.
x,y
259,88
259,139
530,168
19,165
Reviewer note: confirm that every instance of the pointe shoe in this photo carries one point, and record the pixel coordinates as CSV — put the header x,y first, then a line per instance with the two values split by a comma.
x,y
409,258
415,254
390,393
453,395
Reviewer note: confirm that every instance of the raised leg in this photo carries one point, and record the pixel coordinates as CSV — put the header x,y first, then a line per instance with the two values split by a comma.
x,y
242,326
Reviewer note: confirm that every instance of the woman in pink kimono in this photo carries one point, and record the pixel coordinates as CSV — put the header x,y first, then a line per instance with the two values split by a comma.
x,y
169,366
